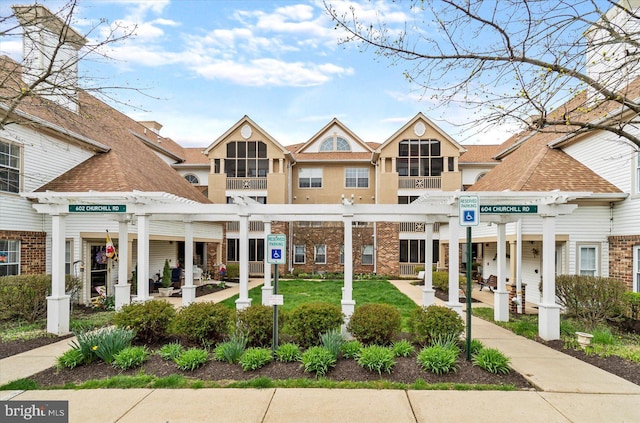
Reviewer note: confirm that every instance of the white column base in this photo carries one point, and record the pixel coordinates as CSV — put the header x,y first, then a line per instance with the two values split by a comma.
x,y
141,299
501,306
242,303
428,297
58,314
267,292
457,307
348,307
188,295
549,321
123,295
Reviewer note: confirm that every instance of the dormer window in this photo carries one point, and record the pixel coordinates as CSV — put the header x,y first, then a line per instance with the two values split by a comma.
x,y
192,179
335,144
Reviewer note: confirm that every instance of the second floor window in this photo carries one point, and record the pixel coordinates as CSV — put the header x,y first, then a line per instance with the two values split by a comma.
x,y
419,158
9,167
356,177
310,178
246,159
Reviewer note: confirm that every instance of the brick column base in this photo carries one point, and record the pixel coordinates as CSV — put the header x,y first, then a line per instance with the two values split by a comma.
x,y
513,307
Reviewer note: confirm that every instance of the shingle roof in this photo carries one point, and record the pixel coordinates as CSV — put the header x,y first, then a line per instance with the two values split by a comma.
x,y
479,154
128,165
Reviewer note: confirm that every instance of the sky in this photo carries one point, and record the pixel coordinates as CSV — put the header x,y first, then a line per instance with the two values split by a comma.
x,y
203,65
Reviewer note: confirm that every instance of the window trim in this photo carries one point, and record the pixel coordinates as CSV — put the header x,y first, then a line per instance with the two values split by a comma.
x,y
18,169
295,254
636,269
637,172
11,252
316,254
314,173
585,246
357,177
364,249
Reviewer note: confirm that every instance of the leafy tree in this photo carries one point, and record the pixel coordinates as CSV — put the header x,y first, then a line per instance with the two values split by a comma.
x,y
513,61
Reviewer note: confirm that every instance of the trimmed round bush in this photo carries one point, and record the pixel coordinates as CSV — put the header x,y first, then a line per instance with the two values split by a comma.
x,y
205,323
308,321
150,320
256,322
435,322
375,324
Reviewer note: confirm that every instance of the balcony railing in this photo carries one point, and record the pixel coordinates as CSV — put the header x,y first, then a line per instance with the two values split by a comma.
x,y
256,268
253,226
409,269
420,182
246,183
417,227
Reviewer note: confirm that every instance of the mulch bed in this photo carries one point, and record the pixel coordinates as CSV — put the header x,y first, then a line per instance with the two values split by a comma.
x,y
405,371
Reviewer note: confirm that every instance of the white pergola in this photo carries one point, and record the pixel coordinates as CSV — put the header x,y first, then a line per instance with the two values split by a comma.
x,y
430,208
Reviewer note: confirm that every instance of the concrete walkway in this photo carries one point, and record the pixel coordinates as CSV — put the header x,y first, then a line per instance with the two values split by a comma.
x,y
570,391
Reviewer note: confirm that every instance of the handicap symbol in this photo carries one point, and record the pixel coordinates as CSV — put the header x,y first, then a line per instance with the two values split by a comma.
x,y
469,215
275,254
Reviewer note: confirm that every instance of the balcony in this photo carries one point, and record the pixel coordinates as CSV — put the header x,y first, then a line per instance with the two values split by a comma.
x,y
417,227
247,183
419,182
253,226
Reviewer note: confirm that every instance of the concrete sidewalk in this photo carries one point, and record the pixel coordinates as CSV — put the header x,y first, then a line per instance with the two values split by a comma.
x,y
570,391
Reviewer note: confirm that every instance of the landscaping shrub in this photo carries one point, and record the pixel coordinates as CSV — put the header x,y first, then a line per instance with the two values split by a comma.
x,y
257,322
351,349
377,358
231,350
205,323
289,352
150,320
632,301
307,321
440,280
475,347
103,343
318,360
192,358
439,358
375,323
233,271
429,323
492,360
590,299
332,340
255,358
24,297
402,348
70,359
171,351
130,357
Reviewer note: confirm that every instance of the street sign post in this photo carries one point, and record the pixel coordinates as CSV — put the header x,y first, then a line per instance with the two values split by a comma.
x,y
469,215
276,254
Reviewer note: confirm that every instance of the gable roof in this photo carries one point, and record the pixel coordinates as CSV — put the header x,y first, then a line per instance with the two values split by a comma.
x,y
334,122
478,154
127,165
430,123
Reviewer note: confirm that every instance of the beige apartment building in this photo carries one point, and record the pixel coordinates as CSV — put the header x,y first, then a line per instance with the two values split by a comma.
x,y
335,165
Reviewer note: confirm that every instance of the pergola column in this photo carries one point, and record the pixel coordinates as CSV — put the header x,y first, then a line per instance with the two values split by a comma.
x,y
188,289
501,296
454,265
267,289
123,287
348,304
549,311
243,300
428,293
58,303
143,258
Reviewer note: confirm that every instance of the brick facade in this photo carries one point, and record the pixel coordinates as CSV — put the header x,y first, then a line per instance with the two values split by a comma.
x,y
388,248
33,250
621,257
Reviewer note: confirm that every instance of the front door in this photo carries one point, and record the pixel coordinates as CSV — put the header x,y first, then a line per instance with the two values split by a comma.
x,y
98,269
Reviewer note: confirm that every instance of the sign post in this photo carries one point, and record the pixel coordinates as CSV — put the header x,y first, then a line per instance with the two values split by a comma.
x,y
276,248
469,215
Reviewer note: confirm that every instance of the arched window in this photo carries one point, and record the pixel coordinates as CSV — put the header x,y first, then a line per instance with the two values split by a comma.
x,y
192,179
342,145
327,145
480,176
335,144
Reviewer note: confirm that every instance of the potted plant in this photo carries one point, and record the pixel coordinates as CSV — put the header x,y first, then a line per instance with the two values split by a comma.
x,y
166,289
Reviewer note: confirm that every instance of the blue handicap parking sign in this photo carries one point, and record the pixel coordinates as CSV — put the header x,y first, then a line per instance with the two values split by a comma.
x,y
469,215
276,254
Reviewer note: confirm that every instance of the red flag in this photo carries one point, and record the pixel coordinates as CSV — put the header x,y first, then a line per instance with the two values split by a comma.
x,y
111,249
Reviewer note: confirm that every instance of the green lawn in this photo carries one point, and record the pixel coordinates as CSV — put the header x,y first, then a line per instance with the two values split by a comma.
x,y
297,292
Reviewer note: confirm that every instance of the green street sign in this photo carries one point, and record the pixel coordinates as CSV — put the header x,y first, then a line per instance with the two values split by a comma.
x,y
97,208
509,209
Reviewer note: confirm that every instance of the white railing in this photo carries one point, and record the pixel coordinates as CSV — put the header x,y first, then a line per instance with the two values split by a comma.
x,y
246,183
256,268
253,226
408,269
422,182
417,227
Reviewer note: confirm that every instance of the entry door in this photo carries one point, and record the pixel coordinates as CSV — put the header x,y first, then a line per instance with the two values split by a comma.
x,y
98,272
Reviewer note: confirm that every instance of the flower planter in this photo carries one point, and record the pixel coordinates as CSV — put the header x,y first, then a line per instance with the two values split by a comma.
x,y
165,292
584,338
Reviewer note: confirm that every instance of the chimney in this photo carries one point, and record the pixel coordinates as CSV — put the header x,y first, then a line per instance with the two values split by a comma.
x,y
47,40
154,126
